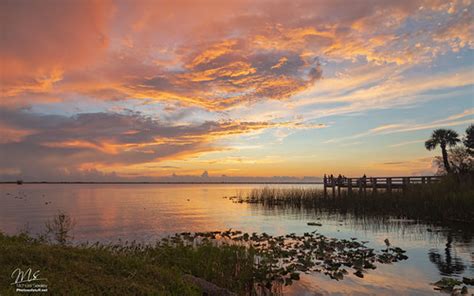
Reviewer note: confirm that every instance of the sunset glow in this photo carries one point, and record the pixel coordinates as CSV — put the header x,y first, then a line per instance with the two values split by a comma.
x,y
123,90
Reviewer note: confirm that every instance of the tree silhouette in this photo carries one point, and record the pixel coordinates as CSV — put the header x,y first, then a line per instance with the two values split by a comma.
x,y
444,138
468,140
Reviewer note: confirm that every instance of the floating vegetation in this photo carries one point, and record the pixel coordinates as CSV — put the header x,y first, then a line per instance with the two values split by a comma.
x,y
468,281
449,285
248,263
314,224
243,263
281,259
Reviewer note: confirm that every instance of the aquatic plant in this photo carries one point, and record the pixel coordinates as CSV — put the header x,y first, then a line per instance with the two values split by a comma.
x,y
279,260
60,228
449,200
451,285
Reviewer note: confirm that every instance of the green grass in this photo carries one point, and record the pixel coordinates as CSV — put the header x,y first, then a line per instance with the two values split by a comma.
x,y
88,271
228,266
128,268
451,200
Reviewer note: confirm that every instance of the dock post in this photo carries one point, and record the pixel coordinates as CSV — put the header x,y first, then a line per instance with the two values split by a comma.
x,y
325,181
423,180
374,185
333,184
349,186
405,182
429,180
360,185
389,185
339,189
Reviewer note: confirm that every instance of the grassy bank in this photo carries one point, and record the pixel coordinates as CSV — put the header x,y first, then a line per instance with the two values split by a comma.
x,y
246,264
451,200
126,269
87,271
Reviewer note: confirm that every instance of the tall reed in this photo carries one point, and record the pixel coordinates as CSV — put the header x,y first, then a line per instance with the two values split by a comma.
x,y
452,199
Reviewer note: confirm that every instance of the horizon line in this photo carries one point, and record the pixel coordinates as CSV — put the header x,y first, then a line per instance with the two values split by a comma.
x,y
156,182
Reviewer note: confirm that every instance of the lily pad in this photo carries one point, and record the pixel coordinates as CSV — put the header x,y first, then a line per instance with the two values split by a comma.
x,y
468,281
446,284
280,259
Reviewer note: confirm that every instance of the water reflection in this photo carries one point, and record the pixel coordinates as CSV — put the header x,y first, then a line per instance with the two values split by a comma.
x,y
148,212
406,229
454,259
447,264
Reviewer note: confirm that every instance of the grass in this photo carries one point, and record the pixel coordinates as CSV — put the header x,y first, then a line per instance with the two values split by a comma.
x,y
450,200
228,266
246,264
87,270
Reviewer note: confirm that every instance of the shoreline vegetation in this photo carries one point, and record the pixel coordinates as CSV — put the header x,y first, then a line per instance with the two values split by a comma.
x,y
215,263
231,262
235,263
450,200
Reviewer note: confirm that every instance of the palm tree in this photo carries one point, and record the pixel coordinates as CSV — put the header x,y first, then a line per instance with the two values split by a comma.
x,y
444,138
469,139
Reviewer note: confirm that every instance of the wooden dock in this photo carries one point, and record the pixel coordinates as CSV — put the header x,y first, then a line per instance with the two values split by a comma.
x,y
373,183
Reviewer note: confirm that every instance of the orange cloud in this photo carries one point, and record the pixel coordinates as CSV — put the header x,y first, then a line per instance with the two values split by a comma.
x,y
221,59
280,63
212,56
13,134
39,41
41,142
213,52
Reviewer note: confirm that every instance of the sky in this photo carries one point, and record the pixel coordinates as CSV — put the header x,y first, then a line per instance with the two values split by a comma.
x,y
135,89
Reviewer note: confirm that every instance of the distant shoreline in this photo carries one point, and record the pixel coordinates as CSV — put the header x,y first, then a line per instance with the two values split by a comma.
x,y
118,183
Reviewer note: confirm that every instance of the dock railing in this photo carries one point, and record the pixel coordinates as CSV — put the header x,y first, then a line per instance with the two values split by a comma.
x,y
374,183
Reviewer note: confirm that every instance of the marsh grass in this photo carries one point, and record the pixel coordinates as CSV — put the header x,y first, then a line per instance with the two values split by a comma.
x,y
451,200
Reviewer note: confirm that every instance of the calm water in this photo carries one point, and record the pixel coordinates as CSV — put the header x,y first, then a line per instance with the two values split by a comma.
x,y
147,212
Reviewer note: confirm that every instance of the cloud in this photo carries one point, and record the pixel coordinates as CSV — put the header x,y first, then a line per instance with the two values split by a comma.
x,y
383,88
407,143
41,40
84,141
218,78
417,166
453,120
465,113
245,66
457,33
213,56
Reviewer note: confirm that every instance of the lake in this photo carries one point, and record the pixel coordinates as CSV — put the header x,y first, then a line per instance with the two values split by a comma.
x,y
148,212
